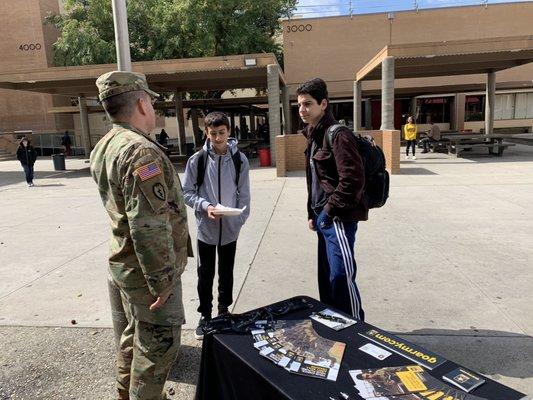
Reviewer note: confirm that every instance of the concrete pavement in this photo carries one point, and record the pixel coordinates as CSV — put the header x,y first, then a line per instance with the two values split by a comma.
x,y
446,263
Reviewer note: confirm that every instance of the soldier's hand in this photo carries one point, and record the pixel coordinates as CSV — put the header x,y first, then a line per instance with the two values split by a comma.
x,y
311,225
161,300
210,213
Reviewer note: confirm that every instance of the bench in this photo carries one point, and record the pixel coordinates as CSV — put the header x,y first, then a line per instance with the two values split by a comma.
x,y
439,146
509,131
499,147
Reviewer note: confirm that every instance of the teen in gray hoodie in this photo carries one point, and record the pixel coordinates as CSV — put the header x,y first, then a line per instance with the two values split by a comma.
x,y
220,157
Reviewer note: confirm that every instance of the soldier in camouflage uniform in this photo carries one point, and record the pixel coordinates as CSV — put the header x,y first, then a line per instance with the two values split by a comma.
x,y
149,241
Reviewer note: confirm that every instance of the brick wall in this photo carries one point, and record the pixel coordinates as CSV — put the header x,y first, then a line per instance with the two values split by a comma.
x,y
290,153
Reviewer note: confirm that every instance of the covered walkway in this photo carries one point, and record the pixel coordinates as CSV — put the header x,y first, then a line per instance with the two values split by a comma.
x,y
447,58
462,57
254,71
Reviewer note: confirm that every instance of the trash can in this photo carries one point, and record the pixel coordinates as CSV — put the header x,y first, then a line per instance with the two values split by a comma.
x,y
59,162
264,157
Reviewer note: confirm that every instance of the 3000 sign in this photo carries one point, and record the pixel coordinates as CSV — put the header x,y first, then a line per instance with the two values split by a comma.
x,y
30,46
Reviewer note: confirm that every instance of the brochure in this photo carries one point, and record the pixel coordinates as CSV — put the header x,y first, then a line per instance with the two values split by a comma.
x,y
463,379
296,347
333,319
228,211
395,381
399,382
375,351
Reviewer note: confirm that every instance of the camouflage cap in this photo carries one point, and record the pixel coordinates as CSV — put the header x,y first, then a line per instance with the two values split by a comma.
x,y
118,82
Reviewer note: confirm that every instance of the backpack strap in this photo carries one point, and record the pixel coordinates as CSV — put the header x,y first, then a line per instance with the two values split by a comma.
x,y
202,163
332,131
237,162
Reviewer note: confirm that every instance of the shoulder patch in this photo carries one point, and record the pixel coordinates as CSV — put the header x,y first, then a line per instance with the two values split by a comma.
x,y
159,191
148,171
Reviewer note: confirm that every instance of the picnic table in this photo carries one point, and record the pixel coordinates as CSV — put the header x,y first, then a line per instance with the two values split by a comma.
x,y
459,142
249,146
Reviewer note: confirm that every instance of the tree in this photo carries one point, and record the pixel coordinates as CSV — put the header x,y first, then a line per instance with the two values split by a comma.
x,y
166,29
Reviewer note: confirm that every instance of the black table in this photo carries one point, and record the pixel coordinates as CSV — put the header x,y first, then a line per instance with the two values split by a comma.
x,y
231,368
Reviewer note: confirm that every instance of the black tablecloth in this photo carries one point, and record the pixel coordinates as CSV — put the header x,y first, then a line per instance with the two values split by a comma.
x,y
232,369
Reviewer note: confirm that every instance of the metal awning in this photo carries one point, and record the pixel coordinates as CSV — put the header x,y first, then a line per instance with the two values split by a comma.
x,y
461,57
191,74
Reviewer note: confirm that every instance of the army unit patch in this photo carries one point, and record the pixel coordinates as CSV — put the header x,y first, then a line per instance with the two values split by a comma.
x,y
148,171
159,191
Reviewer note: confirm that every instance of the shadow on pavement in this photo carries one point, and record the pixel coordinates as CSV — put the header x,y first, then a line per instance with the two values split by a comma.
x,y
416,171
485,351
49,185
14,177
185,370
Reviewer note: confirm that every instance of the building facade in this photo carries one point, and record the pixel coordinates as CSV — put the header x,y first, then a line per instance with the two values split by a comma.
x,y
27,45
335,48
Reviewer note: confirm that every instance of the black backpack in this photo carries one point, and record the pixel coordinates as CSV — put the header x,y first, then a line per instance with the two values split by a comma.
x,y
376,188
202,163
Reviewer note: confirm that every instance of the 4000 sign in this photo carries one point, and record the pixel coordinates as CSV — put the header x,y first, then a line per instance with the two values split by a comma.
x,y
30,46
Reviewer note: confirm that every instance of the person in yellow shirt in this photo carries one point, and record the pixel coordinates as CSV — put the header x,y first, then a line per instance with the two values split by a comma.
x,y
409,133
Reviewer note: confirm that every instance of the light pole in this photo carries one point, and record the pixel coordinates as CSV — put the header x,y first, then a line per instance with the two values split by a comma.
x,y
122,38
122,44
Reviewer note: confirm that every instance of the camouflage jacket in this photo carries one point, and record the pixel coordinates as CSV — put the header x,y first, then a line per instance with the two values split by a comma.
x,y
149,243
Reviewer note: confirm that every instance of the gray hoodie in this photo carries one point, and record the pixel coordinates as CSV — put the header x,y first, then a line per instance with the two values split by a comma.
x,y
226,229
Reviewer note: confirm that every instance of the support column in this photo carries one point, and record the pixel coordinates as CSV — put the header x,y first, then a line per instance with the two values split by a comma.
x,y
195,134
273,107
252,121
368,114
182,141
85,128
357,106
232,124
387,93
490,98
459,109
414,113
287,123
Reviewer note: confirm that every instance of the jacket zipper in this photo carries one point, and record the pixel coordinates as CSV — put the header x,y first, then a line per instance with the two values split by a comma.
x,y
219,201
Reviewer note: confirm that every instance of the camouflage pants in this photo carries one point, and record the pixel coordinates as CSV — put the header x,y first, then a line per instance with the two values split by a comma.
x,y
146,353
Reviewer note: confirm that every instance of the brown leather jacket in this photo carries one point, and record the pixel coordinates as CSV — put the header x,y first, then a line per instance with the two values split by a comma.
x,y
341,172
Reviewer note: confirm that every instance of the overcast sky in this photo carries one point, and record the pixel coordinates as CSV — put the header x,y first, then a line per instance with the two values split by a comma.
x,y
318,8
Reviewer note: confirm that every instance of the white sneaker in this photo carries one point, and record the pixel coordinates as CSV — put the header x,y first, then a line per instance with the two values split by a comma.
x,y
414,157
408,157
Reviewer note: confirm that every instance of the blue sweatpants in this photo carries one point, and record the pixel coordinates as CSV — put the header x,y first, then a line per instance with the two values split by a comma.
x,y
336,265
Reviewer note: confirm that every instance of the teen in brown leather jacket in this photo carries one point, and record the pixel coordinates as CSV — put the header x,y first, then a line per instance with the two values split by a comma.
x,y
335,203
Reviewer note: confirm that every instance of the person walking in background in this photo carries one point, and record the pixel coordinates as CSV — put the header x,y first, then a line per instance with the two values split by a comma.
x,y
409,133
433,135
27,155
218,173
66,142
163,138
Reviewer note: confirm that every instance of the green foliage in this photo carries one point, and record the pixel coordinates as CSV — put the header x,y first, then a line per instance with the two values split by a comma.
x,y
166,29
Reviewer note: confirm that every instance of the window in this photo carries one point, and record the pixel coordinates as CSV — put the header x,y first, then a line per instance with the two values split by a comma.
x,y
475,108
520,110
435,109
504,106
524,106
